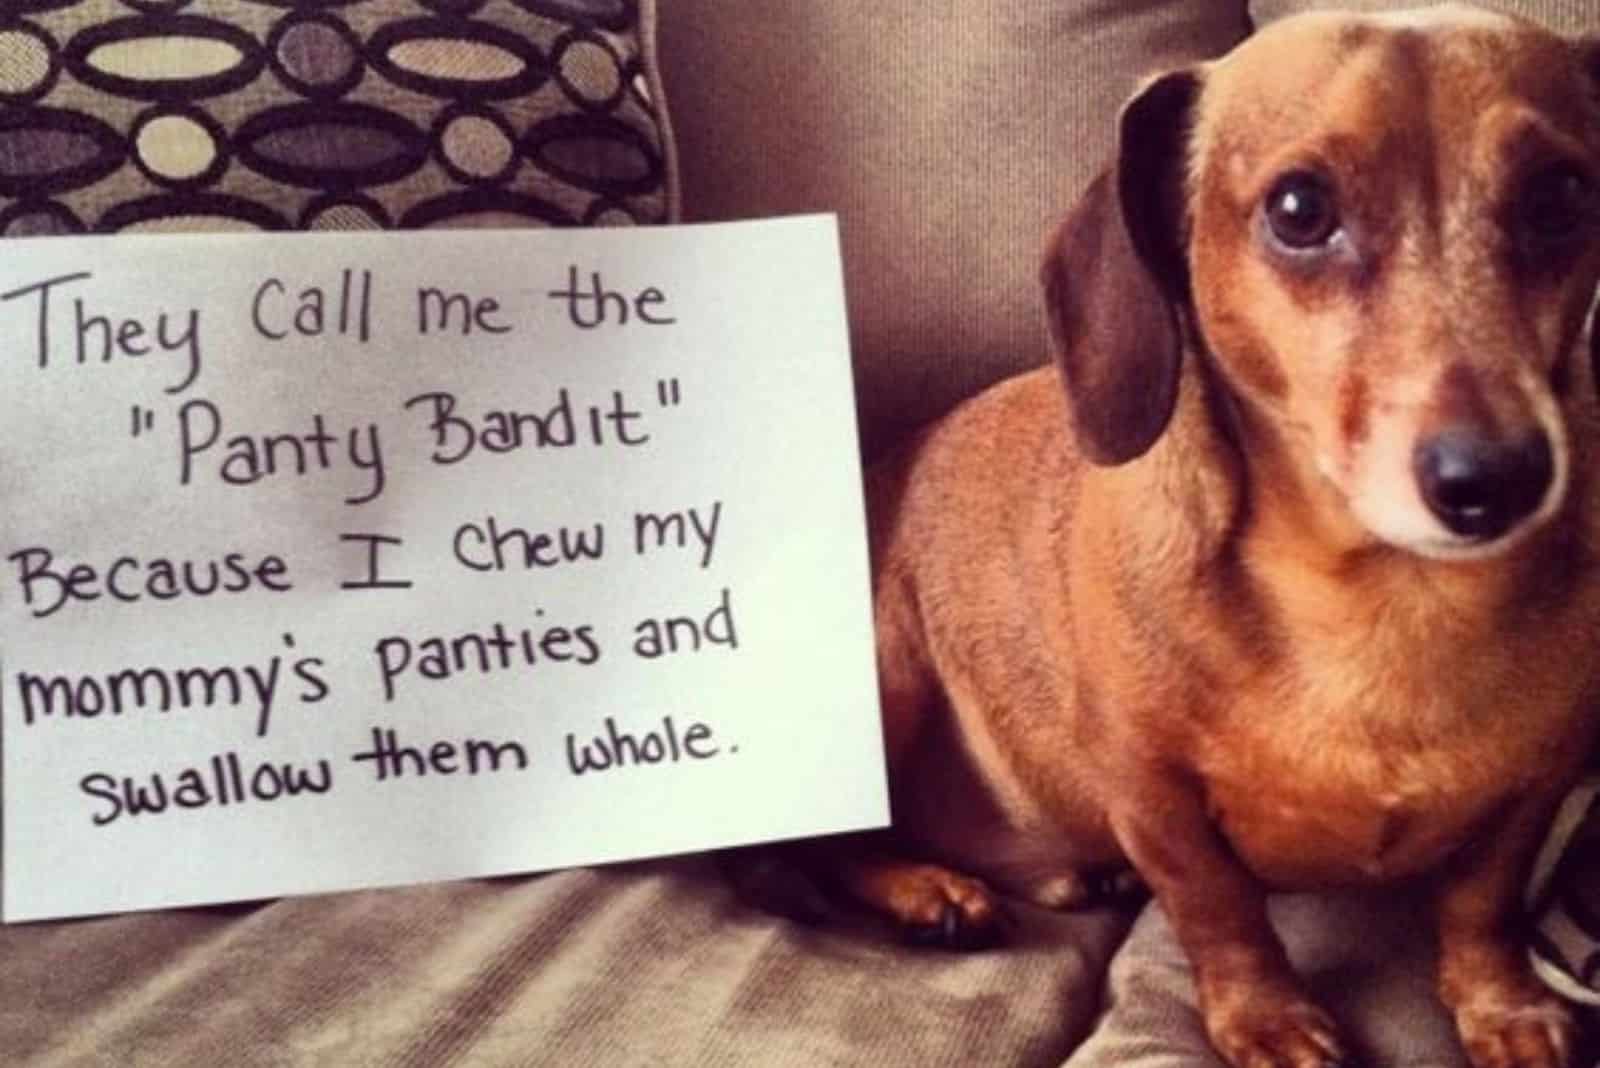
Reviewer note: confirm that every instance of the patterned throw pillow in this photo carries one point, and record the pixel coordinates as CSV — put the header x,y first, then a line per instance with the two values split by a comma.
x,y
329,114
1564,898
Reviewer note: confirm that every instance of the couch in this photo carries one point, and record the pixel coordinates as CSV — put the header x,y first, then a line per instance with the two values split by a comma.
x,y
947,135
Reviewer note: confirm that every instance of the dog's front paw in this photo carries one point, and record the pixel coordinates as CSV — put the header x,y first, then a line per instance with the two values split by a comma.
x,y
932,905
939,907
1276,1032
1532,1030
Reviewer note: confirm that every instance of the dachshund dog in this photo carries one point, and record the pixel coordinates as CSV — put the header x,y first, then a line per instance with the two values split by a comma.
x,y
1293,584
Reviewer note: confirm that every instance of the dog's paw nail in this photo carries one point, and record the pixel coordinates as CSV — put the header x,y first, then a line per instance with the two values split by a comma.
x,y
1531,1034
1119,888
1067,891
938,907
954,929
957,930
1288,1035
950,924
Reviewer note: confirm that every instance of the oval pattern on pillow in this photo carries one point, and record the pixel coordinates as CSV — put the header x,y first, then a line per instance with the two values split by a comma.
x,y
32,7
590,72
31,65
165,57
331,146
175,114
25,219
457,60
47,150
316,56
179,148
487,209
476,146
452,7
351,212
194,213
595,152
611,14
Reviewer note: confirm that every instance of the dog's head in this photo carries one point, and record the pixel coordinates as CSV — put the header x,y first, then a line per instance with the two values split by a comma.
x,y
1384,232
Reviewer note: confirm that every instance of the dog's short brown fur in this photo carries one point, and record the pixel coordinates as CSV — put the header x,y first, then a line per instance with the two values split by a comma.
x,y
1219,630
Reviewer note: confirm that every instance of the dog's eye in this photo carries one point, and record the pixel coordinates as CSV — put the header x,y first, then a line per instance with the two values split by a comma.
x,y
1556,203
1301,211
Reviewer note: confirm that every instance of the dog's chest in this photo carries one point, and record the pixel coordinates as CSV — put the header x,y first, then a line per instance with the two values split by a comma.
x,y
1306,824
1373,780
1392,730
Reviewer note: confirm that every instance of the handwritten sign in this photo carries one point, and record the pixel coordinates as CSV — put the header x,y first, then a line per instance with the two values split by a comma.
x,y
336,561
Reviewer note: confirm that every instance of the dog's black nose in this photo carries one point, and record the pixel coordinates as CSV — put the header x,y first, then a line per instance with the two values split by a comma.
x,y
1480,488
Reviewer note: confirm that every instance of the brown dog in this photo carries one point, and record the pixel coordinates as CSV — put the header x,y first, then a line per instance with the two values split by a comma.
x,y
1322,606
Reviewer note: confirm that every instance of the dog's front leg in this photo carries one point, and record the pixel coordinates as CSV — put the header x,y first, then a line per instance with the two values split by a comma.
x,y
1256,1012
1506,1017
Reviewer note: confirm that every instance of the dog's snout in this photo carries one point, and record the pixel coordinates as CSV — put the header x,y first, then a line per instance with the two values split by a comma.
x,y
1479,487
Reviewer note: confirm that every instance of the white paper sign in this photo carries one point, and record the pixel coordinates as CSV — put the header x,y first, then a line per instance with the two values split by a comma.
x,y
336,561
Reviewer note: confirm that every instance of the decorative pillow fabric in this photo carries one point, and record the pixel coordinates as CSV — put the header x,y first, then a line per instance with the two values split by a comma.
x,y
329,114
1564,898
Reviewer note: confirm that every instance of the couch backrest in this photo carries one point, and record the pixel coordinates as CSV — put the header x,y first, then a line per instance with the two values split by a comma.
x,y
949,135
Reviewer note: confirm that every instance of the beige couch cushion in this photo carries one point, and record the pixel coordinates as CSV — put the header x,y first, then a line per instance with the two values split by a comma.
x,y
947,134
631,967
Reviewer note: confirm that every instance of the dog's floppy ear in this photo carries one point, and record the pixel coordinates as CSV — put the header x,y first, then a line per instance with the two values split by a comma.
x,y
1115,277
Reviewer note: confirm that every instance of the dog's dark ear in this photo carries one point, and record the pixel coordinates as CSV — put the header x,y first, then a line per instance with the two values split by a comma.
x,y
1116,275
